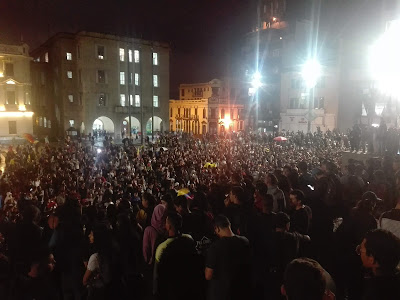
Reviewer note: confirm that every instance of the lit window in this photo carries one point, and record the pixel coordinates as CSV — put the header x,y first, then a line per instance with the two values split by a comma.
x,y
136,79
46,57
121,54
71,98
101,52
27,98
131,100
49,124
130,55
155,101
122,77
137,100
155,80
71,123
69,56
102,100
155,58
122,99
44,122
69,74
41,121
136,56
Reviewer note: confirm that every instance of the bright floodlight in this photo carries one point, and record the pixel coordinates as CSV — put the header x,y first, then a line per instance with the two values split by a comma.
x,y
98,150
384,60
256,81
311,72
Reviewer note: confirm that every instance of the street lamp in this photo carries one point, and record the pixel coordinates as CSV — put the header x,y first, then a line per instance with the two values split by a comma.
x,y
311,72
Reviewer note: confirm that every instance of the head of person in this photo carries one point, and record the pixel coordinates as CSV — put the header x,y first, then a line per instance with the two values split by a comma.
x,y
380,252
222,226
368,202
260,189
302,167
148,200
296,198
271,180
351,169
287,170
173,224
31,214
236,195
304,279
282,222
181,205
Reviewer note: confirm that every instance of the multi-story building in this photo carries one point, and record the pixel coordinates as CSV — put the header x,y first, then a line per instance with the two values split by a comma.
x,y
210,107
15,91
276,49
100,81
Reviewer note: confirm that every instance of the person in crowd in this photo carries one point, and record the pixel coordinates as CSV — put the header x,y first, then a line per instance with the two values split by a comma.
x,y
178,269
154,234
380,255
306,279
279,198
390,220
145,212
301,216
228,264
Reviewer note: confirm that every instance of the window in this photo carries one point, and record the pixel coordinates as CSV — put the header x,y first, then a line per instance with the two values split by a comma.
x,y
155,58
10,97
122,77
204,113
121,54
41,121
136,79
136,55
319,103
12,127
131,100
49,124
102,99
222,113
71,98
294,103
155,80
71,123
44,122
69,74
183,92
101,53
101,76
170,112
130,78
130,55
46,57
27,98
179,111
69,56
9,68
137,100
122,100
155,101
195,111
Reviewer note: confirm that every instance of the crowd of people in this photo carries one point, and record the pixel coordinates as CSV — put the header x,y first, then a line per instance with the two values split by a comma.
x,y
237,216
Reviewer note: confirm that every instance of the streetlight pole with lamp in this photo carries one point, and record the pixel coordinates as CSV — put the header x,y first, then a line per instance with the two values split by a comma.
x,y
311,72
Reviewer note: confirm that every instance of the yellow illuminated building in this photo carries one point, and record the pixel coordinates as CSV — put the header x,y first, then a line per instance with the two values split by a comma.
x,y
206,108
15,91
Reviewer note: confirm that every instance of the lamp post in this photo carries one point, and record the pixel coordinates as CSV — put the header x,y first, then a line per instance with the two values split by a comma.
x,y
311,72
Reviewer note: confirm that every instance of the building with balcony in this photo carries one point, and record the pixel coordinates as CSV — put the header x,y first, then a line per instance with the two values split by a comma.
x,y
15,91
100,81
210,107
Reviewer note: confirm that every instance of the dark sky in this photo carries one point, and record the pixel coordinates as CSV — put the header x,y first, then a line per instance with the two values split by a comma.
x,y
200,32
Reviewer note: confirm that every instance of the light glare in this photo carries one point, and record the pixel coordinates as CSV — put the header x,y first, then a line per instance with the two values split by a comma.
x,y
256,81
311,72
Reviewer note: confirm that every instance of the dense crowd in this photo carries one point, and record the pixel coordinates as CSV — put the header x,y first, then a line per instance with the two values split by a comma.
x,y
237,216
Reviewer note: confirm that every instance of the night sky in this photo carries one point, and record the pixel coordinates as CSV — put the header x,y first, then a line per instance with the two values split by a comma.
x,y
202,33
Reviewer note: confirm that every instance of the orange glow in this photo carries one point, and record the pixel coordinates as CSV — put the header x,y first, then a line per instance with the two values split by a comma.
x,y
227,122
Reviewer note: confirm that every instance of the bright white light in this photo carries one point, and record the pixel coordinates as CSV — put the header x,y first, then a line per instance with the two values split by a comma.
x,y
311,72
22,108
98,150
10,82
375,125
256,81
384,60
